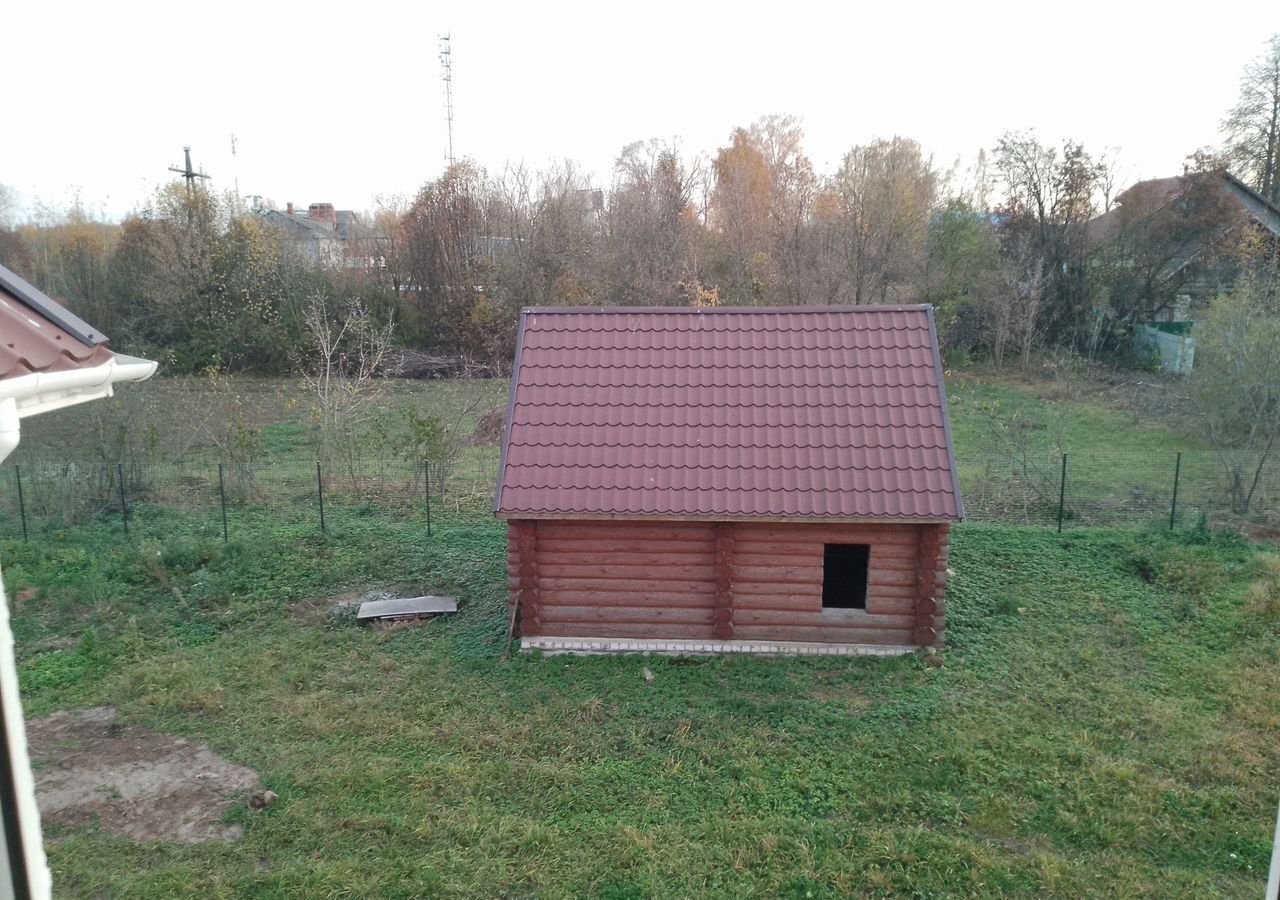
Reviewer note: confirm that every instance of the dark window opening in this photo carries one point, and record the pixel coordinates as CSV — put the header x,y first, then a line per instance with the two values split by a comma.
x,y
845,571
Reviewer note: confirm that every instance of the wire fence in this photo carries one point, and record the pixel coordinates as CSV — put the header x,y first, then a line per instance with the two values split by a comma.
x,y
1174,490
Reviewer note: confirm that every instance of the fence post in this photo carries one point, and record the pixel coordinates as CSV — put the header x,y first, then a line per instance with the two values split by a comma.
x,y
124,504
320,493
1173,508
426,477
22,505
222,494
1062,492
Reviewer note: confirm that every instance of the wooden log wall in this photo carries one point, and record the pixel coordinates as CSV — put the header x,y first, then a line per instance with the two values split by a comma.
x,y
703,580
625,579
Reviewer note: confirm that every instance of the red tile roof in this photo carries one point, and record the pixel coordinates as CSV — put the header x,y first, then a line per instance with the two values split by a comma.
x,y
817,413
32,341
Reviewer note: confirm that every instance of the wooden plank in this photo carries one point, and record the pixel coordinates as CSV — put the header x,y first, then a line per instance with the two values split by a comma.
x,y
743,574
765,588
605,546
887,577
627,571
628,531
625,598
893,591
822,534
634,557
404,608
802,602
632,614
746,557
792,618
667,585
891,606
629,630
824,635
814,544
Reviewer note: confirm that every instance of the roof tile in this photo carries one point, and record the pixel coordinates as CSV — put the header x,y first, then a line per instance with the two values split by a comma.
x,y
835,413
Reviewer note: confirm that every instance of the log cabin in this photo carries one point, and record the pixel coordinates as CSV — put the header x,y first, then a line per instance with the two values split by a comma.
x,y
726,480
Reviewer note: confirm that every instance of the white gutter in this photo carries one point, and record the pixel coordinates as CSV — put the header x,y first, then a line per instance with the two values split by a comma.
x,y
20,397
44,391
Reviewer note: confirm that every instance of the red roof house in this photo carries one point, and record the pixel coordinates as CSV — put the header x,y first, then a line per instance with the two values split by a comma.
x,y
49,359
728,480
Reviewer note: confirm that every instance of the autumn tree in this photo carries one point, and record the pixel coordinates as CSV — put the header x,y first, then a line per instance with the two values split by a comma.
x,y
793,189
739,212
452,252
652,228
886,191
1252,127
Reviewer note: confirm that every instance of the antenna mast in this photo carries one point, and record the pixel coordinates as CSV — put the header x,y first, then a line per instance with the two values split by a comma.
x,y
235,168
446,68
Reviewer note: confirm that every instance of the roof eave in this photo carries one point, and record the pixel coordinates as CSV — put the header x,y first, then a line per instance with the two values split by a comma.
x,y
42,392
511,406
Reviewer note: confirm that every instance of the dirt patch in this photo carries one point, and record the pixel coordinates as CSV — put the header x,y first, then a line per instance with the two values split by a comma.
x,y
91,768
489,430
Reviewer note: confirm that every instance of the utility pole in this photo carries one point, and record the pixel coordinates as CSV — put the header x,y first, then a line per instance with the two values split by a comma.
x,y
189,173
446,68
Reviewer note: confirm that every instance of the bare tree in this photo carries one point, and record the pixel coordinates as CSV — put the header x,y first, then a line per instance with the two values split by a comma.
x,y
8,206
651,226
1235,386
344,375
1049,199
1252,127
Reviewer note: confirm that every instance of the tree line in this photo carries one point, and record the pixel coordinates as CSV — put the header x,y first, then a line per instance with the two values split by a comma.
x,y
1003,250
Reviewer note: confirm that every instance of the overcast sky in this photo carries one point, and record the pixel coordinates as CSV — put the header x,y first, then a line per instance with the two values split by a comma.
x,y
342,102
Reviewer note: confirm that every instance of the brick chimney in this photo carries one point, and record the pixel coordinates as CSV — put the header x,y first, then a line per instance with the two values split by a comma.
x,y
323,212
289,207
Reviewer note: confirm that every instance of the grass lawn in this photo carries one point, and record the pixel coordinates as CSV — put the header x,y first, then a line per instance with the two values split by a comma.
x,y
1104,726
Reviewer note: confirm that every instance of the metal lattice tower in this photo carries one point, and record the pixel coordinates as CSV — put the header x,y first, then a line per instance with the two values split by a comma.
x,y
446,74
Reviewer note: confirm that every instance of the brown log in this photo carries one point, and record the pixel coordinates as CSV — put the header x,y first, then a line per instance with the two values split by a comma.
x,y
590,598
635,615
629,569
572,550
612,585
627,531
817,620
670,632
824,635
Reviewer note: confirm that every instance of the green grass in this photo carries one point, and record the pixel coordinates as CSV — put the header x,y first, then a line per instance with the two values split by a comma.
x,y
170,419
1069,421
1104,726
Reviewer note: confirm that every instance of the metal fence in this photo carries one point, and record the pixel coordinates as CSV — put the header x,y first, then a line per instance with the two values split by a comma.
x,y
1063,491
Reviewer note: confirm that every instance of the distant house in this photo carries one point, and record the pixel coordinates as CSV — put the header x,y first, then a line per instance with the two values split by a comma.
x,y
1171,246
329,238
1174,235
49,359
728,480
